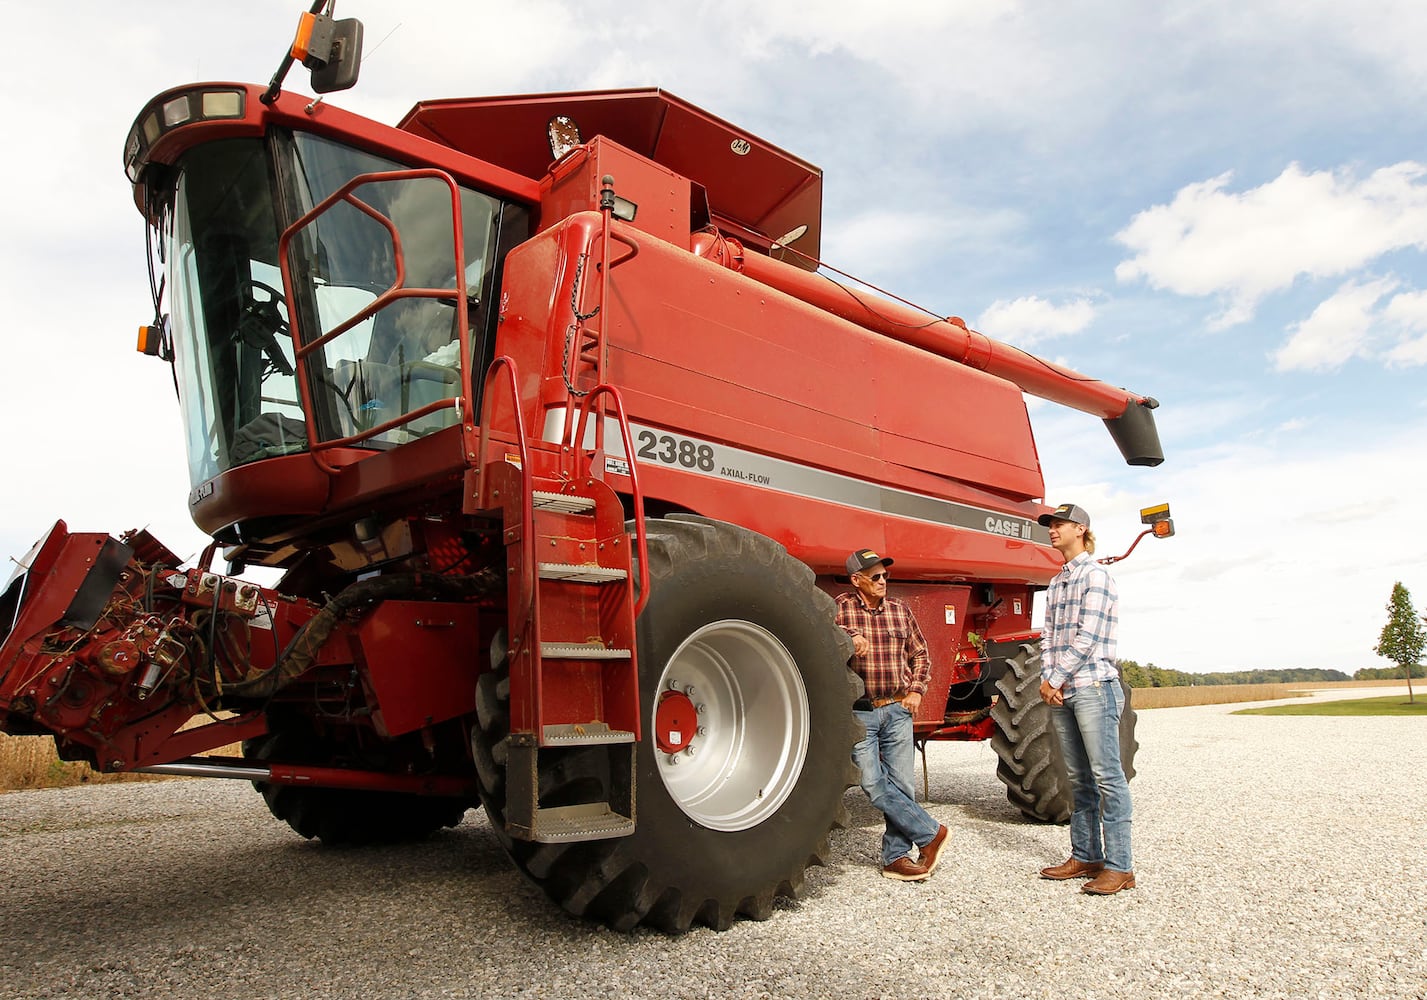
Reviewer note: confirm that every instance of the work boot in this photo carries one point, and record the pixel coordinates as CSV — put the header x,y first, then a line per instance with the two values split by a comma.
x,y
904,869
1073,868
931,851
1109,882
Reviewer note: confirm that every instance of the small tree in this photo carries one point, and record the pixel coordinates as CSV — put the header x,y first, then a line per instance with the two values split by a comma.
x,y
1404,635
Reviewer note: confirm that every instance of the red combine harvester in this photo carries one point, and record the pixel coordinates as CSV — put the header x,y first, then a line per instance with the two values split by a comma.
x,y
559,438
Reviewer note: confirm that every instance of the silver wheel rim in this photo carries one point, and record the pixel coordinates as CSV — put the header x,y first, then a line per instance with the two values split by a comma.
x,y
752,733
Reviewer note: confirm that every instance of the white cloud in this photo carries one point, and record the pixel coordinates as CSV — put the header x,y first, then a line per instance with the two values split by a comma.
x,y
1407,313
1337,331
1235,587
1032,319
1408,354
1351,323
1244,246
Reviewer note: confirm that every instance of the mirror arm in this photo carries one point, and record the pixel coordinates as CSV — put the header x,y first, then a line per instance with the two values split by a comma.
x,y
275,84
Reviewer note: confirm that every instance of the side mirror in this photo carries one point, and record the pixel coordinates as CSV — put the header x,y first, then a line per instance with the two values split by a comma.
x,y
332,50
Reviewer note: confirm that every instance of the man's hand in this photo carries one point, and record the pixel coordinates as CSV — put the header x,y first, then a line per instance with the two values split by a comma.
x,y
911,702
861,645
1050,695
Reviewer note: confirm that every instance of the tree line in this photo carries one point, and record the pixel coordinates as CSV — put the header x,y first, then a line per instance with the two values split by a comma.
x,y
1403,641
1388,673
1148,675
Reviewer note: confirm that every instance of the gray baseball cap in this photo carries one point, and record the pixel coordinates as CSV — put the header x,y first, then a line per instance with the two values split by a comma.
x,y
864,559
1066,512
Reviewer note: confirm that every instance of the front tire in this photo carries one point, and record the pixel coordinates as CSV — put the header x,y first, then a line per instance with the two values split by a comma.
x,y
1029,762
730,828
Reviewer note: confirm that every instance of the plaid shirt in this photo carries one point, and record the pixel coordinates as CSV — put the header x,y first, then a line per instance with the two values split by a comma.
x,y
1082,610
898,662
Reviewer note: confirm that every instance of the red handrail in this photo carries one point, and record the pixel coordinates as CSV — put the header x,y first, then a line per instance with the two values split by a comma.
x,y
640,537
527,483
395,292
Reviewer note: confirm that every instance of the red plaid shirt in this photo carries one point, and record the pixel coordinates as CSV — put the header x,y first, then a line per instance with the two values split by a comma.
x,y
898,662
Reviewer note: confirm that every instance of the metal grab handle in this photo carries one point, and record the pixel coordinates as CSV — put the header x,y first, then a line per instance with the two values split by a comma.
x,y
640,535
527,479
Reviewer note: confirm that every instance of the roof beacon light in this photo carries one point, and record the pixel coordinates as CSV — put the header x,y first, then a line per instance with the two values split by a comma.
x,y
564,135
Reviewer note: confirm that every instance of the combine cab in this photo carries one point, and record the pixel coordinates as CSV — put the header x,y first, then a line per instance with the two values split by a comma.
x,y
558,437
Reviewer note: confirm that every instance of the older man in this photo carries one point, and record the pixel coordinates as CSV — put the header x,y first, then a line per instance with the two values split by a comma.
x,y
890,655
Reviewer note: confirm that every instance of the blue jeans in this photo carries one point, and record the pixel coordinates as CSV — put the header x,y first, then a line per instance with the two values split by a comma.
x,y
1089,728
887,762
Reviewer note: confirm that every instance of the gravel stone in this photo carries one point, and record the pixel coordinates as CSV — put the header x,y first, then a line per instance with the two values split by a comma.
x,y
1275,857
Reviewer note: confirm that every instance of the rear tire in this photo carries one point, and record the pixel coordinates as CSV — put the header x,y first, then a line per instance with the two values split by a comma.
x,y
344,816
734,826
1027,747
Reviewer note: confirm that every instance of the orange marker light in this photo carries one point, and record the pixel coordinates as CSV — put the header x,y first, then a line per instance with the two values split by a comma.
x,y
149,340
303,41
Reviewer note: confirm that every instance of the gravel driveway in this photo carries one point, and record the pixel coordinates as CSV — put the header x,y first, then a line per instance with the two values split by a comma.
x,y
1276,857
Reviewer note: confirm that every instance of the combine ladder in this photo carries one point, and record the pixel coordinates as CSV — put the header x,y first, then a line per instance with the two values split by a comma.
x,y
574,680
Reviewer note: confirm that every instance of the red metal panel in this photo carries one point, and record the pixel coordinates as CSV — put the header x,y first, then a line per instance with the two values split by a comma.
x,y
716,342
421,661
661,197
941,613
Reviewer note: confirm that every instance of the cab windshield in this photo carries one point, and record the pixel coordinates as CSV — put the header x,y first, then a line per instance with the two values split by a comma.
x,y
233,343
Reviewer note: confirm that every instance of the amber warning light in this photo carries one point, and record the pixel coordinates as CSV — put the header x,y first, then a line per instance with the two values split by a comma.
x,y
1158,519
1161,525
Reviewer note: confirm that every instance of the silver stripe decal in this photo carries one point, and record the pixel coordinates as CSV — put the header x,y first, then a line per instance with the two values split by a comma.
x,y
721,461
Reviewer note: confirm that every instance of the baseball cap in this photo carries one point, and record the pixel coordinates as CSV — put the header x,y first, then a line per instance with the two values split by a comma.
x,y
1066,512
862,559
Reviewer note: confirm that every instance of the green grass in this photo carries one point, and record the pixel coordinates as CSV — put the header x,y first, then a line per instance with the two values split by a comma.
x,y
1392,705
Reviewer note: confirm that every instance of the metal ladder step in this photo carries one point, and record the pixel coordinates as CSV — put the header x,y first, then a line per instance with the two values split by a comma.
x,y
585,734
588,821
563,503
581,651
576,573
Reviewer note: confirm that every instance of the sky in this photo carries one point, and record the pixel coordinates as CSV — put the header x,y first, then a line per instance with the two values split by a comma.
x,y
1218,203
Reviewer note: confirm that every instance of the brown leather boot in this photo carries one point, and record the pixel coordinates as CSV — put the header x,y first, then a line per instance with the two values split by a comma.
x,y
906,870
1109,882
931,852
1073,868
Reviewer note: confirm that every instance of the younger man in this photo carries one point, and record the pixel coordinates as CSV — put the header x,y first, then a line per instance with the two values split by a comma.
x,y
1080,683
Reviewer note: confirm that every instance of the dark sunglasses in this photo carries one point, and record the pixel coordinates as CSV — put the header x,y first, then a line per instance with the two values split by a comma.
x,y
874,577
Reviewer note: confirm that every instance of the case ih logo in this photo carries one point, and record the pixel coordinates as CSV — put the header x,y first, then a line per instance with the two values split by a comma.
x,y
740,146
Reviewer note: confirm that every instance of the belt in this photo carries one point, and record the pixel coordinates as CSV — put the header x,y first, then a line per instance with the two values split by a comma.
x,y
868,704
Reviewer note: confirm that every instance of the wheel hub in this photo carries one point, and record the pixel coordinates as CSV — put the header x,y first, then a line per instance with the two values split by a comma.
x,y
675,722
731,725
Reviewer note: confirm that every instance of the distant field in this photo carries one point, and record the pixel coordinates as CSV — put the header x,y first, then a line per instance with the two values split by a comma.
x,y
1396,704
30,761
1215,694
1223,694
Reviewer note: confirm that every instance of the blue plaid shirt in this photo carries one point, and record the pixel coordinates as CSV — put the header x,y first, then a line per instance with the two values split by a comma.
x,y
1078,645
